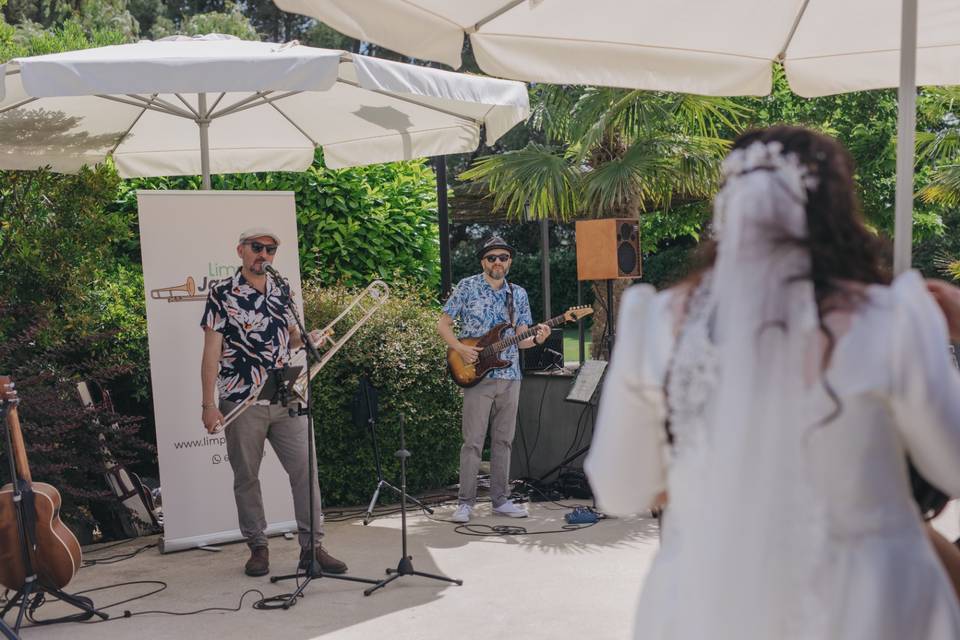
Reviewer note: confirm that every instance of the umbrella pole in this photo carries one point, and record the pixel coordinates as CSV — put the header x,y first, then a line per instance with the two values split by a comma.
x,y
906,138
443,218
203,121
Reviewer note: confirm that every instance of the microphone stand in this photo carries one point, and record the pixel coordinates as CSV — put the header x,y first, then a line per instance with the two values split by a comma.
x,y
405,566
313,569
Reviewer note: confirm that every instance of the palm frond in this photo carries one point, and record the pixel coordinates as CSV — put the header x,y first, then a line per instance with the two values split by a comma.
x,y
938,146
944,186
704,115
603,114
536,178
552,108
652,172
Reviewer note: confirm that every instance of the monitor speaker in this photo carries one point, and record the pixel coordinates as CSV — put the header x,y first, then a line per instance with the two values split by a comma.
x,y
548,355
608,248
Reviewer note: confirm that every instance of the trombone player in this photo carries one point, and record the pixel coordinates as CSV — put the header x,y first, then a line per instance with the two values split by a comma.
x,y
248,332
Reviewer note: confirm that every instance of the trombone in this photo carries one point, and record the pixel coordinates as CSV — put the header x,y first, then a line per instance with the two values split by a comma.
x,y
367,302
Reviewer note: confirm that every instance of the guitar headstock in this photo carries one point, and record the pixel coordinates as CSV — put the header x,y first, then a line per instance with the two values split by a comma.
x,y
8,392
577,313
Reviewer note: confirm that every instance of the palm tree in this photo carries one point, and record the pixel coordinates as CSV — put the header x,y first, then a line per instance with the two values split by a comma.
x,y
609,152
939,148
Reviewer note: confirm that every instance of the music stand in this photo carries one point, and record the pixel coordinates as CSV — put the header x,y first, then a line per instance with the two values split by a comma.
x,y
582,391
279,385
365,409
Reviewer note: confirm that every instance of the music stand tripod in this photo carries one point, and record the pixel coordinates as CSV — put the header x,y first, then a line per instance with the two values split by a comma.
x,y
313,569
366,410
405,566
26,523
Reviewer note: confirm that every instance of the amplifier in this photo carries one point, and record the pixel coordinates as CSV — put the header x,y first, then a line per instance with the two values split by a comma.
x,y
548,355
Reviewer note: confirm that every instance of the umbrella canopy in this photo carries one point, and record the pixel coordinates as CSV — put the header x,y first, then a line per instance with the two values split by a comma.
x,y
216,104
690,46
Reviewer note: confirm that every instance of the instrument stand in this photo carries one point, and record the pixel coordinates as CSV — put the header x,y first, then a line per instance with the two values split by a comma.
x,y
366,410
26,523
313,570
405,566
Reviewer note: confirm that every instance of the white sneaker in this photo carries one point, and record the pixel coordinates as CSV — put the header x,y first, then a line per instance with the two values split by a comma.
x,y
462,514
511,510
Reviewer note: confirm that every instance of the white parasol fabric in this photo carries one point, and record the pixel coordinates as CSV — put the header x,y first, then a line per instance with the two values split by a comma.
x,y
216,104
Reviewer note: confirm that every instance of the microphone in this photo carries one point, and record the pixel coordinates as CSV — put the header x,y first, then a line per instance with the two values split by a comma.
x,y
268,268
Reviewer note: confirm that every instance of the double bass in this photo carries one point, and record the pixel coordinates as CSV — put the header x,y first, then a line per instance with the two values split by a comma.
x,y
35,530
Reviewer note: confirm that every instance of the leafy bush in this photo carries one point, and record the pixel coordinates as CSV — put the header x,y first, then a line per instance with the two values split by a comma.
x,y
55,236
63,438
354,224
400,351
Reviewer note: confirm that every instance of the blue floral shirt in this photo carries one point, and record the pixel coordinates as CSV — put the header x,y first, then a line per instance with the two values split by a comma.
x,y
256,334
479,307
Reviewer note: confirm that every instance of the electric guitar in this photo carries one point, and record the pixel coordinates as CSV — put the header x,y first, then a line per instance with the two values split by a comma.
x,y
493,343
51,548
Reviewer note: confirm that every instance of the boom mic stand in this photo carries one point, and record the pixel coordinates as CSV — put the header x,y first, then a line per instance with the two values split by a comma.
x,y
365,407
23,505
313,569
405,566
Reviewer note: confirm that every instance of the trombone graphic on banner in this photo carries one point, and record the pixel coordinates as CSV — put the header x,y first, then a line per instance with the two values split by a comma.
x,y
179,293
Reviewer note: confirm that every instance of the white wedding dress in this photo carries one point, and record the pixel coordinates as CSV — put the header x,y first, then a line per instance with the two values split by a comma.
x,y
868,571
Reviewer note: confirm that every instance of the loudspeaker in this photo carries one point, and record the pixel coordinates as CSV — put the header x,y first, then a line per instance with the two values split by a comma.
x,y
608,248
539,357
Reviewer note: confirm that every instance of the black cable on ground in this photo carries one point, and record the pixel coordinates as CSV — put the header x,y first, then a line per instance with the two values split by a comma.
x,y
40,598
115,558
487,531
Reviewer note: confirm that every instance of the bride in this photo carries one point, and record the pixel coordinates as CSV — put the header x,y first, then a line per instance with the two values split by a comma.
x,y
775,398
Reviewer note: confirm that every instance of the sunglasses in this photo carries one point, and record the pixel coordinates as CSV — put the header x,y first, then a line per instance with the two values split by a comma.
x,y
502,257
257,247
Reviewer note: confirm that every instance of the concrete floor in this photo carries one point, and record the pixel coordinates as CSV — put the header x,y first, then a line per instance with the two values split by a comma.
x,y
534,586
539,585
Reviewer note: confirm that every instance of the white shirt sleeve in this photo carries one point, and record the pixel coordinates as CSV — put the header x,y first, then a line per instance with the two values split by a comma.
x,y
926,384
625,465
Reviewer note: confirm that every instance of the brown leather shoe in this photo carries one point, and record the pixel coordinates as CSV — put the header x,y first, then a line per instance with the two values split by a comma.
x,y
328,564
259,562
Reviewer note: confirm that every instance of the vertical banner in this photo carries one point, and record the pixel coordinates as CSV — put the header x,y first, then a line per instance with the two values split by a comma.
x,y
189,240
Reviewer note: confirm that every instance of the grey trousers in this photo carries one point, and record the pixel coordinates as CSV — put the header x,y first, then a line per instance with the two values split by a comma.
x,y
492,402
288,437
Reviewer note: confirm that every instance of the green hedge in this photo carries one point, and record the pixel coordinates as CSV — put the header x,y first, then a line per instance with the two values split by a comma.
x,y
404,357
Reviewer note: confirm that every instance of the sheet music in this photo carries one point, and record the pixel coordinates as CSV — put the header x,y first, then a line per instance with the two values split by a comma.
x,y
588,379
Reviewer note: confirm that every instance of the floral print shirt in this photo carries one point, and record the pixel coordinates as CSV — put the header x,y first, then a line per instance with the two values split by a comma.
x,y
256,334
479,307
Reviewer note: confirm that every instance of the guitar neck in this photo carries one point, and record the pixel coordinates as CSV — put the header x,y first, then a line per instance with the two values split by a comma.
x,y
500,345
16,439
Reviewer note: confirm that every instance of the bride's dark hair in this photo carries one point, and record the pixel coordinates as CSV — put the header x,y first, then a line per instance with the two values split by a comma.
x,y
842,249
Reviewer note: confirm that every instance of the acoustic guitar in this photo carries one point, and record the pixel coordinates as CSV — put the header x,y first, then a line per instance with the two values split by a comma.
x,y
493,343
53,550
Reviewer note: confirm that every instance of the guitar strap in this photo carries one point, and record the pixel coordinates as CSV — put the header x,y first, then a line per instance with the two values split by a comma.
x,y
510,305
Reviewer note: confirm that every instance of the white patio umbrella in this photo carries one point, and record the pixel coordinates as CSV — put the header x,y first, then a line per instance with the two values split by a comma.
x,y
216,104
693,46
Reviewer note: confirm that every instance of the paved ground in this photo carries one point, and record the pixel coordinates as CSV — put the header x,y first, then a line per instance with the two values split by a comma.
x,y
540,585
535,586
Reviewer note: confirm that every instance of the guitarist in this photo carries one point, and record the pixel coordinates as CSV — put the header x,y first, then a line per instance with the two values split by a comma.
x,y
480,302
